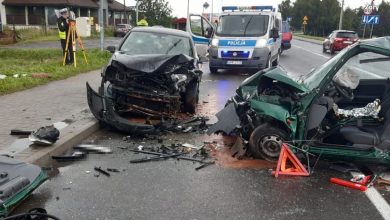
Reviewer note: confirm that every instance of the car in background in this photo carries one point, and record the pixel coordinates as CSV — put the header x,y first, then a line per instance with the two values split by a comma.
x,y
339,40
152,76
286,36
122,29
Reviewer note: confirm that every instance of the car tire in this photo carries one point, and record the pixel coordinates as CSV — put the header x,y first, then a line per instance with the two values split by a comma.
x,y
213,70
331,49
266,141
276,61
323,49
191,97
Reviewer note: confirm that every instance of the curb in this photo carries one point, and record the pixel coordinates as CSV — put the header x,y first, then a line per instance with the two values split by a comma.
x,y
307,40
69,136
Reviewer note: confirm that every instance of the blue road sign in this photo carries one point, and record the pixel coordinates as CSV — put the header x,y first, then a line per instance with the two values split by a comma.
x,y
370,19
289,18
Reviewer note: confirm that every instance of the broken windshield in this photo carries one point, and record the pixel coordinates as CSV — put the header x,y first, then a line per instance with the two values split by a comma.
x,y
242,25
142,43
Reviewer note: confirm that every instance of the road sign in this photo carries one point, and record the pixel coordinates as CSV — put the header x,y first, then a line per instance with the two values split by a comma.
x,y
304,22
289,18
305,18
368,9
370,19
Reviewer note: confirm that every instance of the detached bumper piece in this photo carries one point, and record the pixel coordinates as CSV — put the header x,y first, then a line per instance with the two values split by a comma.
x,y
17,181
103,110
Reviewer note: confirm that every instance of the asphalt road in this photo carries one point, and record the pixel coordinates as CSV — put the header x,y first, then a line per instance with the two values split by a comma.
x,y
172,189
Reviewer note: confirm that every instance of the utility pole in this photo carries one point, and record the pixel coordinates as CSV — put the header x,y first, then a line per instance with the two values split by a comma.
x,y
124,11
341,15
136,12
212,8
101,24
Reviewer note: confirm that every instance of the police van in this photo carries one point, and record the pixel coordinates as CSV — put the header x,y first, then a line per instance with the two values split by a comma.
x,y
246,38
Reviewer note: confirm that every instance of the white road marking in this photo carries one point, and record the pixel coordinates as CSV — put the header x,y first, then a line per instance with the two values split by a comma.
x,y
318,54
377,200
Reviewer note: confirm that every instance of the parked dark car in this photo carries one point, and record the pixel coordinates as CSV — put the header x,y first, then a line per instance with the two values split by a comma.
x,y
286,36
121,30
339,40
153,75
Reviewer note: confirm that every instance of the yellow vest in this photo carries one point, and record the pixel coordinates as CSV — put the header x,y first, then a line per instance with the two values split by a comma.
x,y
142,22
62,35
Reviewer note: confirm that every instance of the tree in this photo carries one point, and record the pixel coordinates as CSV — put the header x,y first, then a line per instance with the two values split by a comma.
x,y
382,29
285,8
157,12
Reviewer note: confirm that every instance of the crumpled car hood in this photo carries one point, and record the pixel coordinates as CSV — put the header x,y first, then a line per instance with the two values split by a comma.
x,y
149,63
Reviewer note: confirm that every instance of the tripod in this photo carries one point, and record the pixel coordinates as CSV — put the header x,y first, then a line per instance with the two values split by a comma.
x,y
72,34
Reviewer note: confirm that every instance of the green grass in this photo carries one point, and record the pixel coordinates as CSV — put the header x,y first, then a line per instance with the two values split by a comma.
x,y
300,34
49,61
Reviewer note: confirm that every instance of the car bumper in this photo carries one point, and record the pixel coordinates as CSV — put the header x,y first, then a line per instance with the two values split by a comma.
x,y
103,109
258,60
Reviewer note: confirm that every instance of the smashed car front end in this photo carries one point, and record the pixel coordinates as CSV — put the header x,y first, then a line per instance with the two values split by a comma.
x,y
267,96
139,89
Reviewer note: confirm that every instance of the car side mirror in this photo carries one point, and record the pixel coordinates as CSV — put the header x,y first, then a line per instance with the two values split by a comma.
x,y
209,32
275,33
112,49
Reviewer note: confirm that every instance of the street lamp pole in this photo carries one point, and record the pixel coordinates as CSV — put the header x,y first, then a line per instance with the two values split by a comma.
x,y
341,15
212,8
136,12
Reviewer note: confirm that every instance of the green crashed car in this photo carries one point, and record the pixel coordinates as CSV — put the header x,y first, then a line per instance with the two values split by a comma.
x,y
340,110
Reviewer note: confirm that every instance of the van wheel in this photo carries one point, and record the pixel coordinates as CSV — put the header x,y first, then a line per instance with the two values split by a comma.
x,y
276,61
213,70
266,141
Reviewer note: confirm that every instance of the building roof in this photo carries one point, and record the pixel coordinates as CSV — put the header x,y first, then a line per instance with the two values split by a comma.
x,y
112,4
70,3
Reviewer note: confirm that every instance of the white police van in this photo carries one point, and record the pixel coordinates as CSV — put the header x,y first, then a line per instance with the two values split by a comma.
x,y
246,38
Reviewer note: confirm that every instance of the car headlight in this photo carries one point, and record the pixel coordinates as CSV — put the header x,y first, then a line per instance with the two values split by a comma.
x,y
261,43
215,42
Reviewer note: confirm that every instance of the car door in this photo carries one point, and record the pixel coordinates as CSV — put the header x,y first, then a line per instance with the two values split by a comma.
x,y
201,31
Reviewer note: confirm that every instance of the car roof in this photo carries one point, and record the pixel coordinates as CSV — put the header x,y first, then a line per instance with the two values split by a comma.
x,y
344,31
162,30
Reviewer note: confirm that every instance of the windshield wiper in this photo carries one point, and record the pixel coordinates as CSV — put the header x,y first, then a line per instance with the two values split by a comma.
x,y
247,24
375,60
173,46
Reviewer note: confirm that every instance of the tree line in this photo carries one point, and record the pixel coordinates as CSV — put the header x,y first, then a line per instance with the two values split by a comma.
x,y
323,17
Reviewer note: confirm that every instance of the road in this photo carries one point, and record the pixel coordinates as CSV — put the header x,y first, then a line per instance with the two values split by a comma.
x,y
172,189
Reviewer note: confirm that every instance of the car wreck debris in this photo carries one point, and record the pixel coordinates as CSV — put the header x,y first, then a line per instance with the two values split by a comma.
x,y
372,109
93,148
156,158
151,87
75,155
100,170
45,135
20,132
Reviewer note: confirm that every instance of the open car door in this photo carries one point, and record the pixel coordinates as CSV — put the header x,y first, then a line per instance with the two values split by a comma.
x,y
201,31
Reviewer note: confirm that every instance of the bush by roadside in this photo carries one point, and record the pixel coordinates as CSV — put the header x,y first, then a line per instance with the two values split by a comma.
x,y
26,68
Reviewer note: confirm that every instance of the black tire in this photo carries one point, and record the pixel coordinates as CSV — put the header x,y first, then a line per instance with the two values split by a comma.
x,y
213,70
331,49
323,49
265,141
191,97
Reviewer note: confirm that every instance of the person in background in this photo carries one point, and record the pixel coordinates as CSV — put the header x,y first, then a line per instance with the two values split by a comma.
x,y
63,28
143,21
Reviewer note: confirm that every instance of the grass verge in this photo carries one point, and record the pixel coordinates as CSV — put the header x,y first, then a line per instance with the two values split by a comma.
x,y
309,36
27,68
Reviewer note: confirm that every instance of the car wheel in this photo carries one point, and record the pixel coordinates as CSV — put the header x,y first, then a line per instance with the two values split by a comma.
x,y
266,141
276,61
323,49
331,49
213,70
191,97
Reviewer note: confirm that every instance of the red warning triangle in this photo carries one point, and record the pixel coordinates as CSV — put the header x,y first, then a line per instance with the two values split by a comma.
x,y
287,157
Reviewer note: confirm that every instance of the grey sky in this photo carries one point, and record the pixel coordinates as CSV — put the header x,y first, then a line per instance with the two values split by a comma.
x,y
179,7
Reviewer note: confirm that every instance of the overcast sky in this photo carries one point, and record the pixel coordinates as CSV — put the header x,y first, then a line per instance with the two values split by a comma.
x,y
179,7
